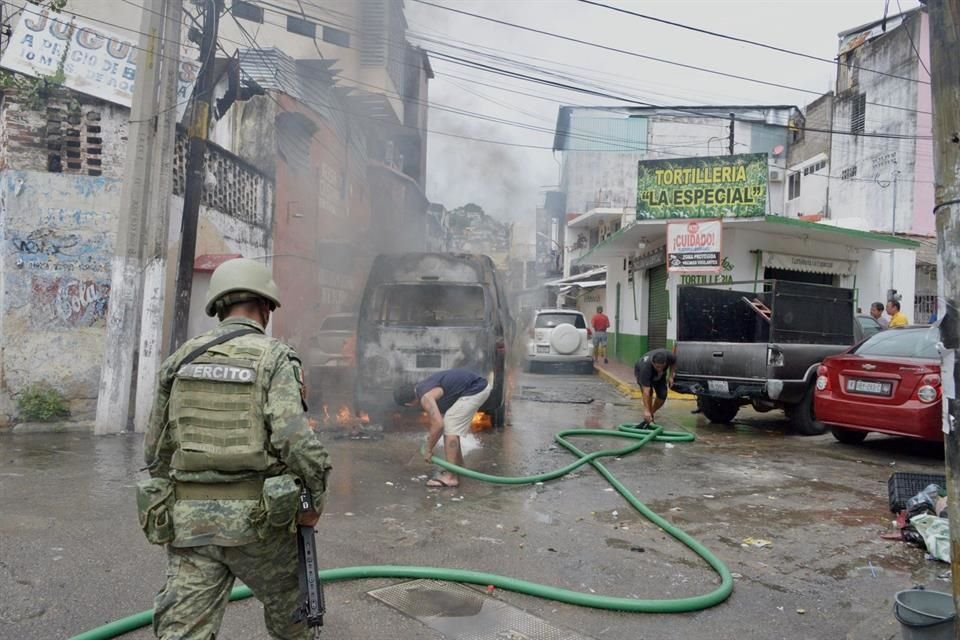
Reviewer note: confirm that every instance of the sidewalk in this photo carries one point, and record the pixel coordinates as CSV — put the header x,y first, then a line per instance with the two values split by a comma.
x,y
621,377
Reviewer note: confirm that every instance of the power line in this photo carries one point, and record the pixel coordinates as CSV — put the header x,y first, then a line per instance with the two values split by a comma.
x,y
680,109
913,45
654,150
726,36
642,55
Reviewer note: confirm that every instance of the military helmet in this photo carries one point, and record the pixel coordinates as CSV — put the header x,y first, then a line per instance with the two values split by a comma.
x,y
241,276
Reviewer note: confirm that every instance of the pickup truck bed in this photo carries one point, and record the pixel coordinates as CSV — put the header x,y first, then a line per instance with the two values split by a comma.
x,y
737,347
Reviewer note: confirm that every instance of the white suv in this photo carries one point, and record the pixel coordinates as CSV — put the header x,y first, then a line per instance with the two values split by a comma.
x,y
560,336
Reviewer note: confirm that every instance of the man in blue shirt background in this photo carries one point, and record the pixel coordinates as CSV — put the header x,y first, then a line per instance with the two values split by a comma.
x,y
451,399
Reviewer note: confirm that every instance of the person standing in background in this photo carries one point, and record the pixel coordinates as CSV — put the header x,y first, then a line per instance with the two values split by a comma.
x,y
876,312
897,317
600,323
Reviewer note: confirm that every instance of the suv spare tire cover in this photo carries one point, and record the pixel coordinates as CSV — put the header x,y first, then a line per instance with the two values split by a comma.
x,y
565,338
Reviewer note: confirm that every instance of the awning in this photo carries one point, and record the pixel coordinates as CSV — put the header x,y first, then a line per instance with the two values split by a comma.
x,y
809,264
592,274
650,233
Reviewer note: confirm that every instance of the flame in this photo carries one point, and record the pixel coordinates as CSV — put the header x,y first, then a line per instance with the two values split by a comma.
x,y
364,417
326,415
481,421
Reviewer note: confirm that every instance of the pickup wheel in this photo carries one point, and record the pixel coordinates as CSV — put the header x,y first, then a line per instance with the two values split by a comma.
x,y
848,436
802,418
718,410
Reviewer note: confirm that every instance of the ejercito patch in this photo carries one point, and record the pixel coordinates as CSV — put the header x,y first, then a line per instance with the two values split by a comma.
x,y
218,373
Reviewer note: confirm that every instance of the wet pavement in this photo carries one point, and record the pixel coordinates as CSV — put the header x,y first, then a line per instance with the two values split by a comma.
x,y
72,557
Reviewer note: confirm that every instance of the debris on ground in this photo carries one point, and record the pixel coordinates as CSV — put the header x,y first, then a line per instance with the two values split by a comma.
x,y
759,543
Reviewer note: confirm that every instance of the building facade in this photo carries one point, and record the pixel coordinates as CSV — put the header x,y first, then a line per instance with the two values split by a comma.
x,y
60,185
871,165
602,153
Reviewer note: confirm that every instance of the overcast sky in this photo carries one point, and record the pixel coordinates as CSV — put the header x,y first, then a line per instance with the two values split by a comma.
x,y
506,180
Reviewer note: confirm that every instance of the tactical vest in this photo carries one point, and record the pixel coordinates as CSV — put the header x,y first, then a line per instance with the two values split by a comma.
x,y
216,409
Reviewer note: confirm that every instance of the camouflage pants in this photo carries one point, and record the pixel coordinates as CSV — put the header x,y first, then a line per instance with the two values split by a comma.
x,y
199,580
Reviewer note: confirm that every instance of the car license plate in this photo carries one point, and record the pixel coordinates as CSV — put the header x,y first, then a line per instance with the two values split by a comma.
x,y
870,388
718,386
543,348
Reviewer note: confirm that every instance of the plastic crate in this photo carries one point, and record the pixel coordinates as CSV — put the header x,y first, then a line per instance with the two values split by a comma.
x,y
903,485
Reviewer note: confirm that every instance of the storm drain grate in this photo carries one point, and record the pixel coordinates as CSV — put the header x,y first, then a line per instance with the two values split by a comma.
x,y
459,612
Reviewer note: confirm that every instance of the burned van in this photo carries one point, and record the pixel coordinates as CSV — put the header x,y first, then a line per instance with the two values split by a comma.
x,y
426,312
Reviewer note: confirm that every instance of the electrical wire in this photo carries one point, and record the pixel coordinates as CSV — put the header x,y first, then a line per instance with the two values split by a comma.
x,y
639,55
488,68
764,45
913,45
661,151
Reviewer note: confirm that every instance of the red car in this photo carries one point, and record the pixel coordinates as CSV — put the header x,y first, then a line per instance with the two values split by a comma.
x,y
889,383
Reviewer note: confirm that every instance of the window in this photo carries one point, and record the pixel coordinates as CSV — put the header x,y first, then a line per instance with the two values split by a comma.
x,y
858,113
849,173
551,320
813,168
336,36
794,186
431,305
247,11
903,343
301,27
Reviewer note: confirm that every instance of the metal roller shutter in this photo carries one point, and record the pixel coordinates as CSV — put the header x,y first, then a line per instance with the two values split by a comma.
x,y
658,308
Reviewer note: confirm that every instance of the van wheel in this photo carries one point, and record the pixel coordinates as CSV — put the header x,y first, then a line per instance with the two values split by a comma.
x,y
718,410
802,418
848,436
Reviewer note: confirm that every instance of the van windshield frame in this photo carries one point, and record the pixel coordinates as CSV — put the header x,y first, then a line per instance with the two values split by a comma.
x,y
431,304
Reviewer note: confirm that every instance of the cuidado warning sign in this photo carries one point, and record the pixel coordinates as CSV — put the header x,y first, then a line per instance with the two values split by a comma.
x,y
694,246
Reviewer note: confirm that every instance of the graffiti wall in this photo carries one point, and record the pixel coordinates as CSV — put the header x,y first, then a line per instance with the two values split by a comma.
x,y
57,243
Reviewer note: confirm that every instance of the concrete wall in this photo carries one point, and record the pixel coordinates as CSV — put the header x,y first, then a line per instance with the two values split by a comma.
x,y
58,235
864,168
60,185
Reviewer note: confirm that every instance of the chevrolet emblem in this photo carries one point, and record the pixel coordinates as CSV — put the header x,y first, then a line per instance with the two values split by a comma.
x,y
869,367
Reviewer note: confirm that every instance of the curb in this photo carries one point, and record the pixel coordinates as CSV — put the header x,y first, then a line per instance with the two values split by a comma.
x,y
632,391
83,426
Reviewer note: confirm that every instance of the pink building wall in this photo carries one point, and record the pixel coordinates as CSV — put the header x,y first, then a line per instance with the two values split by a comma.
x,y
923,177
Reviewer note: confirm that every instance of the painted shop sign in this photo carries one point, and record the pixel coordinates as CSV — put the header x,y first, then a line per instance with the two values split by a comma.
x,y
95,61
705,187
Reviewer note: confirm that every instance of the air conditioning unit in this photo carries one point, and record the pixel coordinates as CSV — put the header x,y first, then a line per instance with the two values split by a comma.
x,y
776,175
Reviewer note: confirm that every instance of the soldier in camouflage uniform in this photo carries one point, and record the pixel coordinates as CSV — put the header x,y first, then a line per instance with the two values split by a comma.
x,y
222,425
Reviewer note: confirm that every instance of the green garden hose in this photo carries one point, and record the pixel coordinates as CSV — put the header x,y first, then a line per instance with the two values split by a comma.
x,y
639,436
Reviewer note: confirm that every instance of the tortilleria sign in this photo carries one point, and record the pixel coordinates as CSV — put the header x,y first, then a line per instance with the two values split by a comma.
x,y
708,187
694,246
93,60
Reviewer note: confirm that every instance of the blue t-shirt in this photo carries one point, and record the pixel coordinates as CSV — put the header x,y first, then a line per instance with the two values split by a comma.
x,y
456,383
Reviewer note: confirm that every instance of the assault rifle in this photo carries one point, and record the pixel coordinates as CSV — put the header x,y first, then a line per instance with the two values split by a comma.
x,y
312,606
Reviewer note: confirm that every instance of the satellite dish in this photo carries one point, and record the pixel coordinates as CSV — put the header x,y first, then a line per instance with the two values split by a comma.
x,y
777,150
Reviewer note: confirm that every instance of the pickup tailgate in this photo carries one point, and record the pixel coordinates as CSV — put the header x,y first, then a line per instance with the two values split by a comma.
x,y
721,361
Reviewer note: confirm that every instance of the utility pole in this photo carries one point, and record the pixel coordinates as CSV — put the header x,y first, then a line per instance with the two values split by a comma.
x,y
156,243
123,314
944,20
730,145
196,168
